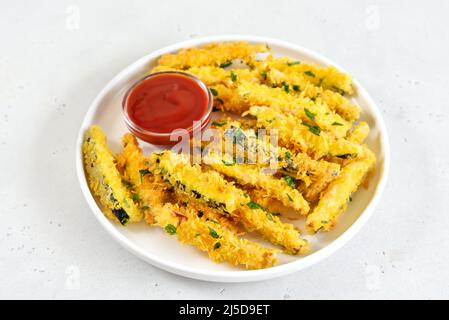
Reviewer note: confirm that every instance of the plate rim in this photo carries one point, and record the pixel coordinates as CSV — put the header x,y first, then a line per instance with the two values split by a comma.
x,y
238,275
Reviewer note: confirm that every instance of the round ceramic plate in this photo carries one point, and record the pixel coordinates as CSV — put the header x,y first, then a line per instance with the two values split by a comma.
x,y
155,247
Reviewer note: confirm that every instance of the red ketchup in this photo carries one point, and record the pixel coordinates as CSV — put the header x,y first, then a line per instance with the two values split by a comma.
x,y
163,102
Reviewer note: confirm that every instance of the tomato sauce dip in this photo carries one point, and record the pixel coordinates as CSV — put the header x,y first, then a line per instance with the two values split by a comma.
x,y
162,102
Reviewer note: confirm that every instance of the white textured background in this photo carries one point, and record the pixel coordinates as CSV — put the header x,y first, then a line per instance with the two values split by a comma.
x,y
53,64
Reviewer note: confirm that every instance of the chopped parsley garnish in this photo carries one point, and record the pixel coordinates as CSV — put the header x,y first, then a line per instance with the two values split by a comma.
x,y
197,235
292,63
290,181
225,64
270,216
228,164
145,207
213,233
288,155
264,75
337,124
309,114
136,197
217,245
214,92
313,99
313,128
253,205
324,221
233,76
296,87
171,229
309,73
285,87
219,123
143,172
289,197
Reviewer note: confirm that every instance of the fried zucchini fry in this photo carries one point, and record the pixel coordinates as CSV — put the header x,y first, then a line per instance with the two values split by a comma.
x,y
216,54
219,243
105,180
212,189
300,138
247,174
303,108
334,199
326,77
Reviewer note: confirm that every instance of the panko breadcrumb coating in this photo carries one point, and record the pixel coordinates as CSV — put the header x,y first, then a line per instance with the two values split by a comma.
x,y
215,54
105,181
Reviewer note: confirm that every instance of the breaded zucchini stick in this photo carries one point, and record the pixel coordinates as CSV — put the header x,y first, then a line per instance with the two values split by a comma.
x,y
326,77
301,138
336,196
219,243
216,54
212,189
150,191
105,180
299,83
248,174
303,108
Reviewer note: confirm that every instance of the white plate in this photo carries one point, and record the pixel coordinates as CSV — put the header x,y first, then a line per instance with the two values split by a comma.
x,y
153,246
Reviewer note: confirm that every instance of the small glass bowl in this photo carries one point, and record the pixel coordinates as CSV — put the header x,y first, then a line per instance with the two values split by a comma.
x,y
159,138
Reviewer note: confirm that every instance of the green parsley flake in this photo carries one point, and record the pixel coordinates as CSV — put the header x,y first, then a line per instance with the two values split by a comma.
x,y
233,76
213,233
219,123
290,181
314,129
171,229
143,172
225,64
309,114
309,73
253,205
214,92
